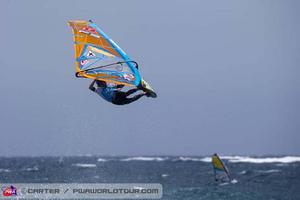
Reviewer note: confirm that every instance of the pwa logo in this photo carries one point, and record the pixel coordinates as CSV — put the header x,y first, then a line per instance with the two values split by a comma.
x,y
9,191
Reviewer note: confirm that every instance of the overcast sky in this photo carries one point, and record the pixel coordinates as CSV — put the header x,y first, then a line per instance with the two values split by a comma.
x,y
227,76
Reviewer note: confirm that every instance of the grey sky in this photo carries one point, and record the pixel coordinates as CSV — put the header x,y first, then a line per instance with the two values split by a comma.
x,y
226,72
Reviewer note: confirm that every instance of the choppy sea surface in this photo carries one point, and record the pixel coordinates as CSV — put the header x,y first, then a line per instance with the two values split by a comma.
x,y
266,178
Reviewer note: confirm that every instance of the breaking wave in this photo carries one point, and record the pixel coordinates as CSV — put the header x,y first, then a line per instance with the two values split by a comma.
x,y
240,159
286,159
188,159
31,169
84,165
4,170
234,181
269,171
144,159
101,160
243,172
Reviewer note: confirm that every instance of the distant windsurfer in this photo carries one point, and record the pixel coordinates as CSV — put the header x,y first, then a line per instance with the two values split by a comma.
x,y
220,171
215,157
112,92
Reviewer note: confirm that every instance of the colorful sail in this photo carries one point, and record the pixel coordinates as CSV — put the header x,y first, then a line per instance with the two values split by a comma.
x,y
220,171
99,57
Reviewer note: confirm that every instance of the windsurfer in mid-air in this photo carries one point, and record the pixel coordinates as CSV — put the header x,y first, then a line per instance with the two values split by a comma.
x,y
101,59
112,92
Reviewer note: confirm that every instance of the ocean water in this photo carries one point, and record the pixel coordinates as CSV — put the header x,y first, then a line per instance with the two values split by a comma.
x,y
255,178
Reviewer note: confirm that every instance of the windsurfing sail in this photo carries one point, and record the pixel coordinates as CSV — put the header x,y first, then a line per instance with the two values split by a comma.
x,y
220,171
99,57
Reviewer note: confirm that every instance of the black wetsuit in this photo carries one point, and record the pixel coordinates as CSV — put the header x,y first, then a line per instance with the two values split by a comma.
x,y
114,95
121,98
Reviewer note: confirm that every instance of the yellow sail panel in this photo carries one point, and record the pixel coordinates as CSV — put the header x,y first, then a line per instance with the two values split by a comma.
x,y
84,34
77,47
217,163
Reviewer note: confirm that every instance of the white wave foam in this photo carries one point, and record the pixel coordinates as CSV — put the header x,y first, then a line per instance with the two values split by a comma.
x,y
225,183
4,170
144,159
234,181
164,175
243,172
240,159
269,171
206,159
84,165
31,169
101,160
286,159
188,159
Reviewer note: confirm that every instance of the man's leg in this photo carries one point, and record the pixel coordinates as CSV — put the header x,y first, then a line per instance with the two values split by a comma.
x,y
121,98
132,99
129,92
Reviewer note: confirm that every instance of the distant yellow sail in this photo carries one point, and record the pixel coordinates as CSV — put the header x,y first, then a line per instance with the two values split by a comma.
x,y
220,171
217,163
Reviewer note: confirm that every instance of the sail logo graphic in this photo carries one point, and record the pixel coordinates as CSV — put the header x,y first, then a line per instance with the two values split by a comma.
x,y
128,77
9,191
89,29
84,62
